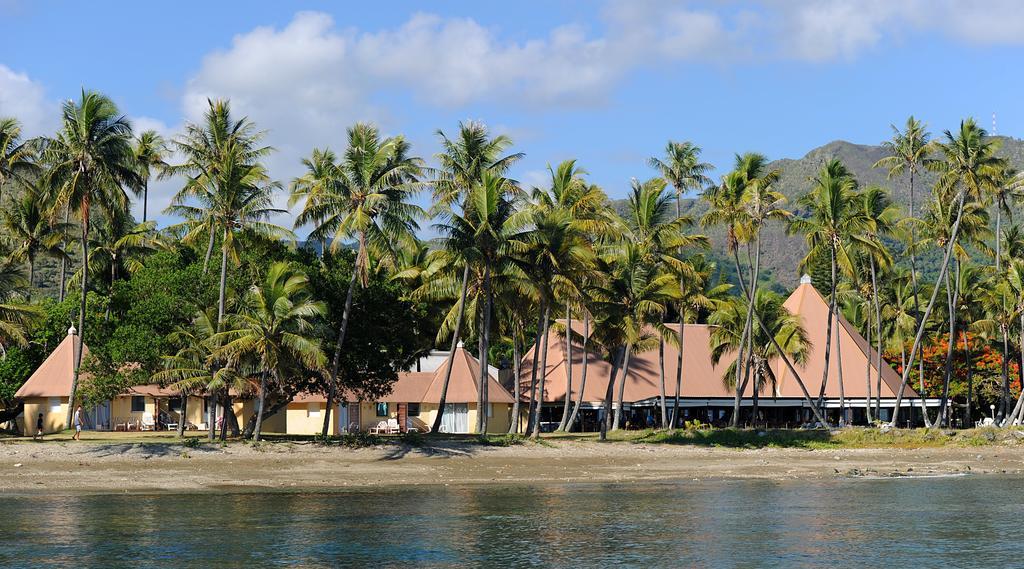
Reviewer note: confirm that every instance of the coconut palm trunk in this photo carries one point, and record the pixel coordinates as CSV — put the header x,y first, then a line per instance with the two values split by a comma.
x,y
828,327
661,372
534,364
539,398
839,375
451,353
931,304
969,362
943,418
64,261
867,371
878,340
485,344
182,413
679,368
568,367
747,333
623,375
259,412
81,311
606,421
1015,416
583,372
209,251
332,388
513,424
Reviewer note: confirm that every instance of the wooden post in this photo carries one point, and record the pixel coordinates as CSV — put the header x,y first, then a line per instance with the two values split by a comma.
x,y
403,416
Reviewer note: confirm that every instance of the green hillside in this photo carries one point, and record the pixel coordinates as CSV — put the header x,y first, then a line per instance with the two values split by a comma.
x,y
781,253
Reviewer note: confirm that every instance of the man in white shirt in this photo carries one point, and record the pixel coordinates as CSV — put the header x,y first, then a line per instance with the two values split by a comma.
x,y
77,421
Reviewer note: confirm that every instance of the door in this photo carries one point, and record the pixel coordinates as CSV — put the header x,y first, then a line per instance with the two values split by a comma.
x,y
343,418
456,418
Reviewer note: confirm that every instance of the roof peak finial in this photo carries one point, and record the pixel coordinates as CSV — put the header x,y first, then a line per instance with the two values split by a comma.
x,y
806,279
72,331
459,346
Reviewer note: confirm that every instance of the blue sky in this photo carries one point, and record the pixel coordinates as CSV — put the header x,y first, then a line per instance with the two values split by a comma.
x,y
607,83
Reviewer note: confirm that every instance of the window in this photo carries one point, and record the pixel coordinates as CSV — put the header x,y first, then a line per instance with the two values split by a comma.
x,y
414,410
175,404
313,410
382,409
138,403
55,404
490,409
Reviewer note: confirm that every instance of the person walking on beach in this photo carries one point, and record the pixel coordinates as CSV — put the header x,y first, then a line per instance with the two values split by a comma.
x,y
39,428
78,423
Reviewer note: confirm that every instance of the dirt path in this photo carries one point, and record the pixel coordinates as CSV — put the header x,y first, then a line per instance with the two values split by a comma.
x,y
60,467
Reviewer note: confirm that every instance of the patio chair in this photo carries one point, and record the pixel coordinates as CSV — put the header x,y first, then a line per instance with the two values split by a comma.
x,y
380,429
353,427
121,424
393,427
148,424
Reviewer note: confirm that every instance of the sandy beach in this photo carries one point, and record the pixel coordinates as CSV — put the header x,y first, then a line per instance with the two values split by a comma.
x,y
112,466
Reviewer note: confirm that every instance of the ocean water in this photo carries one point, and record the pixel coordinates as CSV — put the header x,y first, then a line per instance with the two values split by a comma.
x,y
969,521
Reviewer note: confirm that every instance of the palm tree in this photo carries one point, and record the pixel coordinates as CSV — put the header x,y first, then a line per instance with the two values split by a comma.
x,y
728,321
463,162
682,168
91,163
974,232
744,203
150,151
362,197
1007,191
634,294
193,367
272,327
16,155
969,168
880,216
908,153
578,212
122,243
660,237
29,225
225,176
699,295
836,223
17,317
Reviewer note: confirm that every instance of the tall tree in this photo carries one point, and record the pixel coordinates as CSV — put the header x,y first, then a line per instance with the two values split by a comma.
x,y
682,168
17,158
150,153
32,229
968,168
462,164
272,327
363,197
91,163
744,203
728,321
835,224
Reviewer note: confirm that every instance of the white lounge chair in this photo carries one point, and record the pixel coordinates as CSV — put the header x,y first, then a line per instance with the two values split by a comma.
x,y
380,429
148,424
393,428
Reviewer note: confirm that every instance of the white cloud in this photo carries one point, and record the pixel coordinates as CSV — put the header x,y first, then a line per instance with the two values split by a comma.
x,y
25,99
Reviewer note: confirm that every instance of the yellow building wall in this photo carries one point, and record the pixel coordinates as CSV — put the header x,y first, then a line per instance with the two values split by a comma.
x,y
498,422
53,421
302,421
121,410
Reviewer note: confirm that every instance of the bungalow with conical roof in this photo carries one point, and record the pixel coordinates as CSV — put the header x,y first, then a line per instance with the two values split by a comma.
x,y
416,395
48,390
703,392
